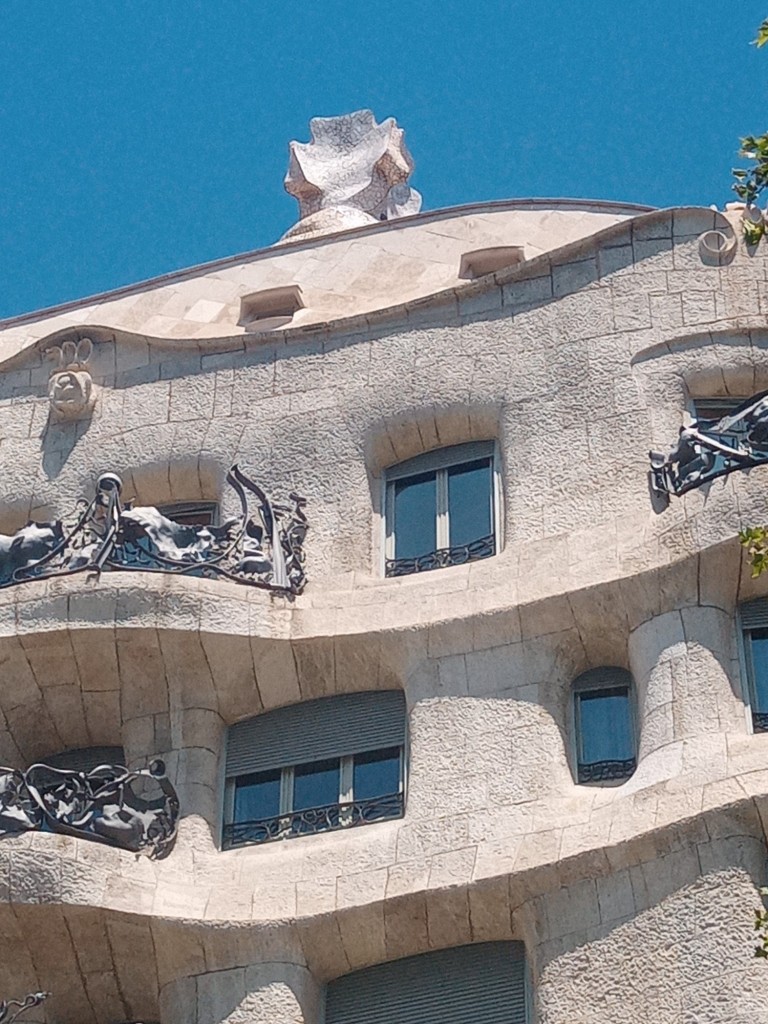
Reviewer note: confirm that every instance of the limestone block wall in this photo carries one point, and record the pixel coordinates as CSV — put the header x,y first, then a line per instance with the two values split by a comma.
x,y
634,901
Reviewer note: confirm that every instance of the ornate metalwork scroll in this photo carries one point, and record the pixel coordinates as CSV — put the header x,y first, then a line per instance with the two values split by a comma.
x,y
101,804
261,547
11,1009
482,548
707,449
607,771
314,819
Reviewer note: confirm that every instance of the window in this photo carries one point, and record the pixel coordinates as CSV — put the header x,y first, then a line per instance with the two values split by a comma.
x,y
330,763
484,982
191,513
754,624
709,411
85,759
605,734
441,509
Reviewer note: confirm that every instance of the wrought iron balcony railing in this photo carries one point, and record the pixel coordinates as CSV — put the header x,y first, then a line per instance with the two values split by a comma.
x,y
607,771
484,547
313,820
760,721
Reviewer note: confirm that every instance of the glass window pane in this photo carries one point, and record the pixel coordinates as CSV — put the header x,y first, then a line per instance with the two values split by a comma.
x,y
376,774
469,501
415,515
759,645
316,784
257,796
605,726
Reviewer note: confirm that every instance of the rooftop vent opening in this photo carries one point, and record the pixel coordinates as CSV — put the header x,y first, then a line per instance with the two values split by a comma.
x,y
271,307
479,262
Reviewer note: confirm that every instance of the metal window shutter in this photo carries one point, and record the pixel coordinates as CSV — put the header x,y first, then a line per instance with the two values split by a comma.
x,y
483,983
350,723
754,614
441,458
86,759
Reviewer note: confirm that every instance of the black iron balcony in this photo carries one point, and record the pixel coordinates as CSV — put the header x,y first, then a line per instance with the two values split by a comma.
x,y
313,820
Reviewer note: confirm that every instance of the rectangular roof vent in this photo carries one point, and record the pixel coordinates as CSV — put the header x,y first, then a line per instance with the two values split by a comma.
x,y
271,304
487,261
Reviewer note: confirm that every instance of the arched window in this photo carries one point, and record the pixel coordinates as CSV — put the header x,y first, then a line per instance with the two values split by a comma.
x,y
326,764
484,982
442,508
606,749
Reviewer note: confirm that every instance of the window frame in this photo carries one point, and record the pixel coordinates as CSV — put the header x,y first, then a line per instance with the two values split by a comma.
x,y
171,509
286,812
747,666
440,461
603,678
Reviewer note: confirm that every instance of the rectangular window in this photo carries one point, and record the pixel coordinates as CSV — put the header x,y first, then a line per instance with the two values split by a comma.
x,y
441,509
191,513
316,797
605,736
326,764
756,651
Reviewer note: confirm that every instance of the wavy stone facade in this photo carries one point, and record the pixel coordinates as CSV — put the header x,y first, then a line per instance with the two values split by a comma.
x,y
634,901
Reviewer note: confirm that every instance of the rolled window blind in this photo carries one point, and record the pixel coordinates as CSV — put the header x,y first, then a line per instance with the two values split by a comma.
x,y
754,614
350,723
441,458
483,982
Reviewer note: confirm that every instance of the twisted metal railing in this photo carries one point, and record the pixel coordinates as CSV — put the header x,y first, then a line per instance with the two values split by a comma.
x,y
261,547
12,1009
313,820
101,804
484,547
607,771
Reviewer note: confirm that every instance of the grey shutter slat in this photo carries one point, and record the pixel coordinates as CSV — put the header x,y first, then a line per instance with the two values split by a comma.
x,y
441,458
351,723
483,982
754,614
86,758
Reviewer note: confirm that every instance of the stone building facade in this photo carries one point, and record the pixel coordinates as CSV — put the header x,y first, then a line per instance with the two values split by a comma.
x,y
560,341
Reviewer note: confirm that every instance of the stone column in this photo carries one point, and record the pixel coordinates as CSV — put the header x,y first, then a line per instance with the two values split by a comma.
x,y
686,674
271,993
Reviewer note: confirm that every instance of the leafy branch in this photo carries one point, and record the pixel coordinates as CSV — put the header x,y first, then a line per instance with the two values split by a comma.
x,y
761,927
751,182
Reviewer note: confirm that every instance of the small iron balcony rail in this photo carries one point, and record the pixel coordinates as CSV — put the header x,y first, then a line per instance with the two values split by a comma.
x,y
484,547
607,771
760,721
313,820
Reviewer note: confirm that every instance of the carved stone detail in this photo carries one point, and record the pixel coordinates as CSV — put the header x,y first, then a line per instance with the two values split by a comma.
x,y
70,388
352,172
262,546
707,449
101,804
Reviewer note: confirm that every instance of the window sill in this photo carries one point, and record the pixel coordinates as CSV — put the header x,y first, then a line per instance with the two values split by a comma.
x,y
312,821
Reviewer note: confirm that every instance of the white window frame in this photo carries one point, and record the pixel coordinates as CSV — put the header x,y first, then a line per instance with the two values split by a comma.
x,y
439,461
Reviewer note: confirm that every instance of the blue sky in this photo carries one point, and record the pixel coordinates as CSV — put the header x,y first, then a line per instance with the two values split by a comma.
x,y
139,137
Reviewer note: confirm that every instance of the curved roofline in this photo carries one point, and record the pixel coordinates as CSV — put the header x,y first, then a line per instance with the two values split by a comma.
x,y
419,308
586,205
